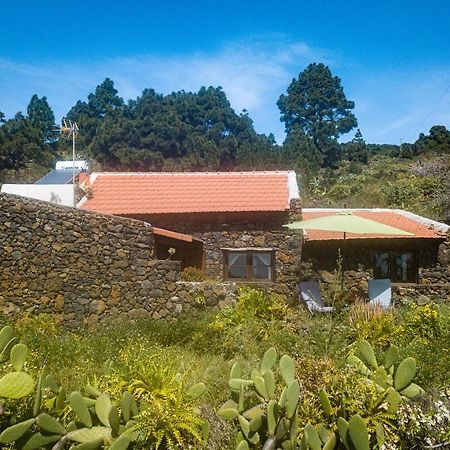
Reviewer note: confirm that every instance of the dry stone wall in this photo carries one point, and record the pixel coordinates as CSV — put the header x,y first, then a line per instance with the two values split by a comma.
x,y
83,266
80,265
245,230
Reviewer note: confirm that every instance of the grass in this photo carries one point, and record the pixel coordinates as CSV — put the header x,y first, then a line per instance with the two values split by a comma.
x,y
203,347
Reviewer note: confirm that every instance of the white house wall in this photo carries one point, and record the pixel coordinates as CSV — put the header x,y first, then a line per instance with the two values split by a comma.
x,y
61,194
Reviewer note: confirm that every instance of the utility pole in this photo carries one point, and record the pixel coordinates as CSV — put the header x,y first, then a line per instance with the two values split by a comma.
x,y
68,129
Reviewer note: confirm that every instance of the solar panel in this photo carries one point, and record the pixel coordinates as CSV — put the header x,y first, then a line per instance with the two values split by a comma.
x,y
58,177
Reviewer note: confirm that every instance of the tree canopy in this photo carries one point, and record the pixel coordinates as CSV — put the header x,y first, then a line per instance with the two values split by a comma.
x,y
27,139
41,117
438,141
315,103
182,130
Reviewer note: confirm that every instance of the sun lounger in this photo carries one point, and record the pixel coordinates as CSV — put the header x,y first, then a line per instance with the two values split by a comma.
x,y
310,295
380,292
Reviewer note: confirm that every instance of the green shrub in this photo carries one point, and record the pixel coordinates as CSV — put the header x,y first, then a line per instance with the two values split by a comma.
x,y
253,304
421,322
426,336
255,316
372,323
193,274
425,423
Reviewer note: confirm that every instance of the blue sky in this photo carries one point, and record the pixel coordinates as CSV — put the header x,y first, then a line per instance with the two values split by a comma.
x,y
393,57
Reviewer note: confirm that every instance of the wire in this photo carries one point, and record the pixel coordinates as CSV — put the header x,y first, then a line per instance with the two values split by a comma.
x,y
431,111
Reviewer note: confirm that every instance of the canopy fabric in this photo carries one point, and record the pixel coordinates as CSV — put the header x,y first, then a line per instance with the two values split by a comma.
x,y
347,223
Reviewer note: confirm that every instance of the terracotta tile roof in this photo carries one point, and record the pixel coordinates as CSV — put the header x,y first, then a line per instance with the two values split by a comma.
x,y
169,193
394,218
174,235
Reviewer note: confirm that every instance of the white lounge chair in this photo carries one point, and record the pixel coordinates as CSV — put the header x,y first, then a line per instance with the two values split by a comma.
x,y
380,292
310,295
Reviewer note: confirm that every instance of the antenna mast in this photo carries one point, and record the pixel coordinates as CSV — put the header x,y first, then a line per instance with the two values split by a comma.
x,y
68,129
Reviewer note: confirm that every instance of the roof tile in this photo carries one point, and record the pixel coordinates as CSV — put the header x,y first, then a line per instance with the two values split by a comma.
x,y
169,193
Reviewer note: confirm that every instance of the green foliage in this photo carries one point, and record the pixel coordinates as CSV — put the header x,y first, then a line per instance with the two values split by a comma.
x,y
253,304
41,117
14,384
193,274
420,185
189,131
255,313
164,361
424,332
437,141
272,422
372,323
392,381
269,415
316,104
21,143
156,410
421,322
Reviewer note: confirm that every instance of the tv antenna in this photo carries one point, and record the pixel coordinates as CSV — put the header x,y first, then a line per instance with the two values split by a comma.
x,y
69,129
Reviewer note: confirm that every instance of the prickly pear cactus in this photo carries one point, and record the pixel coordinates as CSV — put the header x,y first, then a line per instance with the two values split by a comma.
x,y
97,422
272,423
395,382
15,384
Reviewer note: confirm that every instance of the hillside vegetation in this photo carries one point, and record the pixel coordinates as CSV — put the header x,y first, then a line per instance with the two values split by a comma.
x,y
420,185
158,363
198,131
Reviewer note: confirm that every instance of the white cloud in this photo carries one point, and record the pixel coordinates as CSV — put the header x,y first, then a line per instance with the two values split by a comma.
x,y
253,73
397,105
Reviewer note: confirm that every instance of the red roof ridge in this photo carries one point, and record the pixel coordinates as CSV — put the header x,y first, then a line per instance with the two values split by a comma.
x,y
246,172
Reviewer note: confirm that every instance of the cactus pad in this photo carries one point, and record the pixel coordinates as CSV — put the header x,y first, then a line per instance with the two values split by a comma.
x,y
49,424
18,356
121,443
196,390
38,440
287,369
15,432
269,360
358,432
16,385
80,408
405,373
367,353
102,408
90,434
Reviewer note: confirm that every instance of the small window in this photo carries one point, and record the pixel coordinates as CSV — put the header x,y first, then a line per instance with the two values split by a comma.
x,y
396,265
249,265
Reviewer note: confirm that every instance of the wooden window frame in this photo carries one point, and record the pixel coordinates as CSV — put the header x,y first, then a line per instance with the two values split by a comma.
x,y
249,253
392,255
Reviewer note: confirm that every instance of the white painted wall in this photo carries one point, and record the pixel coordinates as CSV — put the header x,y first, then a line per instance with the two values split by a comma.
x,y
68,165
61,194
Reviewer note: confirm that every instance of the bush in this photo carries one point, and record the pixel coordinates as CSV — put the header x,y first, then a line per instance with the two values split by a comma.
x,y
372,323
421,321
425,334
425,423
193,274
253,304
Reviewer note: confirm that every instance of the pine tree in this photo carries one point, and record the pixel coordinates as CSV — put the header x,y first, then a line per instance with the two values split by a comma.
x,y
316,104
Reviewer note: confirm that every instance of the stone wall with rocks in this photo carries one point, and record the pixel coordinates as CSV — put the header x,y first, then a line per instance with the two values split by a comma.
x,y
245,230
84,266
433,260
80,265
